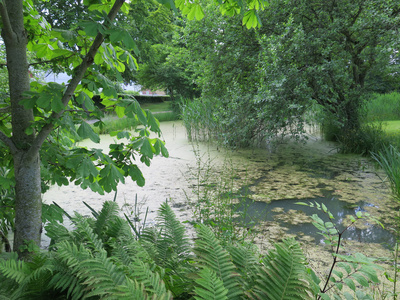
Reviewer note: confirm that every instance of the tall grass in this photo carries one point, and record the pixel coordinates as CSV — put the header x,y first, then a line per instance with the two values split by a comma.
x,y
383,107
389,159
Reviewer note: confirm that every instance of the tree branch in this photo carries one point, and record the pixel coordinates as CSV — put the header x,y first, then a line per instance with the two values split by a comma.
x,y
51,60
9,143
76,79
4,110
7,28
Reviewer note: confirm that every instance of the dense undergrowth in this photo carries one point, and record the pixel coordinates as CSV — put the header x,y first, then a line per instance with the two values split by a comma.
x,y
102,258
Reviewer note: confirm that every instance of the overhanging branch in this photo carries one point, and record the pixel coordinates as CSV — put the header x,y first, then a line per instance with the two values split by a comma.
x,y
76,79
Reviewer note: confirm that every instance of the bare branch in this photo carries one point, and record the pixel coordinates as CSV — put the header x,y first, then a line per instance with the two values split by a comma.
x,y
51,60
79,74
9,143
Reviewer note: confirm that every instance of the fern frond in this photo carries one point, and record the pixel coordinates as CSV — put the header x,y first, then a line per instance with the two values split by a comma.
x,y
131,290
152,280
173,229
107,214
85,234
66,266
211,254
247,264
100,276
14,269
210,287
284,275
167,244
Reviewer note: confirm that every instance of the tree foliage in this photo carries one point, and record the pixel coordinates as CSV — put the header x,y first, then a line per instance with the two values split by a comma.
x,y
306,54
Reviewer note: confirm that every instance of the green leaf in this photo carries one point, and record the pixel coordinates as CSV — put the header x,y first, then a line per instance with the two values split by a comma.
x,y
136,175
359,214
140,114
153,122
147,149
360,279
250,19
44,101
90,28
87,168
164,150
85,131
120,111
348,296
132,63
325,297
56,104
116,34
350,283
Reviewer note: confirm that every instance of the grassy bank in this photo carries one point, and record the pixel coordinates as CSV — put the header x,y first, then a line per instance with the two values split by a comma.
x,y
383,111
383,107
162,111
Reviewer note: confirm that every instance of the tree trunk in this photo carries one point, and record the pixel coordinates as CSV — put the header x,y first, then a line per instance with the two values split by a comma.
x,y
28,201
26,166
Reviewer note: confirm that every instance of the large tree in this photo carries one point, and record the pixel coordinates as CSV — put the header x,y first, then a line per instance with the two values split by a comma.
x,y
40,113
324,52
306,54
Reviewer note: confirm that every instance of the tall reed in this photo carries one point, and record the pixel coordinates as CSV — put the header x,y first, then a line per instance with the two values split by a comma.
x,y
389,159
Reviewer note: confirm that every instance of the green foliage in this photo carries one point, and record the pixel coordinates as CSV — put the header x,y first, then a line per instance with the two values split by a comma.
x,y
383,107
284,275
368,138
102,259
389,160
346,269
7,213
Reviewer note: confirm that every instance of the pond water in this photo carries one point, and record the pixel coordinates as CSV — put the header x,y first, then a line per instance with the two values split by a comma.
x,y
273,180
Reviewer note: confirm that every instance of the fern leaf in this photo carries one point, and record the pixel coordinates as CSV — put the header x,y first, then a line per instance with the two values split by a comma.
x,y
210,287
66,266
14,269
107,214
284,275
132,290
85,234
152,280
211,254
247,264
101,276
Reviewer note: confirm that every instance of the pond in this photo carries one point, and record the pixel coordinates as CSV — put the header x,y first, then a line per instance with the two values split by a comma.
x,y
267,181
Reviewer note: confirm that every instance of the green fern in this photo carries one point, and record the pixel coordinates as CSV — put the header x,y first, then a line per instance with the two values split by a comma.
x,y
284,275
152,281
14,269
106,216
101,276
131,290
211,254
210,287
169,239
84,233
66,266
169,247
247,264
